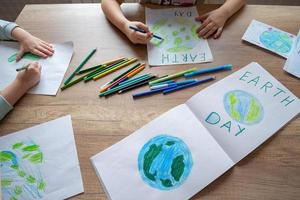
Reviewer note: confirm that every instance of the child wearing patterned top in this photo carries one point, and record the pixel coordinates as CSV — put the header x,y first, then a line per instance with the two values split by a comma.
x,y
212,22
25,79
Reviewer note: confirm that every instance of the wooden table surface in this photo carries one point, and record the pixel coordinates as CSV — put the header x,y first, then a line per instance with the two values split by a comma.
x,y
270,172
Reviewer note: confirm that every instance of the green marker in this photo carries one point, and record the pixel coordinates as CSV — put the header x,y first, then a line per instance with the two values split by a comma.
x,y
172,76
80,66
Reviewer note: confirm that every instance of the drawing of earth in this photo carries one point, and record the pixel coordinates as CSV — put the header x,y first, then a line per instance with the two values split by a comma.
x,y
165,162
276,41
179,34
20,168
243,107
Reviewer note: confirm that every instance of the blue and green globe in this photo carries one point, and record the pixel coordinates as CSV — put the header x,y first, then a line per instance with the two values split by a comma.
x,y
276,41
243,107
165,162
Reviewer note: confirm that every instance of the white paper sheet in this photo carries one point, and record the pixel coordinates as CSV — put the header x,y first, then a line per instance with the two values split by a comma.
x,y
219,126
181,43
53,68
244,109
269,37
119,167
292,64
40,162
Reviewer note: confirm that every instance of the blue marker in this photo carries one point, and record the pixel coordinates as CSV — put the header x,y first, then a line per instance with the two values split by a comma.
x,y
142,31
208,70
169,90
152,92
154,87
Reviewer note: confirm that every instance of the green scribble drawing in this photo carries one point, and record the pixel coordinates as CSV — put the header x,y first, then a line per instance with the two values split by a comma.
x,y
20,169
149,157
254,111
166,182
17,145
179,34
177,167
232,103
243,107
27,56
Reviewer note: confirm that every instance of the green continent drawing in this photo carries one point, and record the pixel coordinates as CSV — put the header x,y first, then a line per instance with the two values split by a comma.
x,y
164,162
179,34
243,107
20,168
27,56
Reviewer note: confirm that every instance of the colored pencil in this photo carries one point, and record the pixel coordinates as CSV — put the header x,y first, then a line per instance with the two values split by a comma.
x,y
72,83
25,67
120,87
165,82
126,72
133,79
90,69
172,76
114,69
208,70
80,66
145,82
150,92
126,76
101,70
169,90
143,31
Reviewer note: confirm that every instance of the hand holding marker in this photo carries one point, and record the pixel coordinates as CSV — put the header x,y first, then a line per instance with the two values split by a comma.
x,y
143,31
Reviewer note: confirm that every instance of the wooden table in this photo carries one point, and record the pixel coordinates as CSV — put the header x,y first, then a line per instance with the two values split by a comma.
x,y
270,172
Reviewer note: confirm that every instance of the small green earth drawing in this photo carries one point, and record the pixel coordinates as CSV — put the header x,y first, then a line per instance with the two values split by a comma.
x,y
179,34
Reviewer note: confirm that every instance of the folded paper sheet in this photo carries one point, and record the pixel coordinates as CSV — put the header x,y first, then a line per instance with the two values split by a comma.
x,y
292,64
53,68
269,37
182,151
40,162
181,44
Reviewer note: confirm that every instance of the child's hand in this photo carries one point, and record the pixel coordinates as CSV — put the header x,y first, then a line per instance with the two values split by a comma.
x,y
30,76
138,37
212,23
30,43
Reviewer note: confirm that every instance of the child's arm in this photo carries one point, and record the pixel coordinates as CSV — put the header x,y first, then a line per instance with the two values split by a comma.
x,y
28,43
213,22
25,80
113,12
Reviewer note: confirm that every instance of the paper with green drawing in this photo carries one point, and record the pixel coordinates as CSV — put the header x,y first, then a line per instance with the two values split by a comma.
x,y
182,151
181,44
34,165
53,68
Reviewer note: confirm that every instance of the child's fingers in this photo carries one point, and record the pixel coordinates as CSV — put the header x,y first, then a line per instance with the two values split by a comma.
x,y
203,25
202,17
210,32
218,33
142,36
20,53
39,53
48,48
206,29
44,50
49,45
143,26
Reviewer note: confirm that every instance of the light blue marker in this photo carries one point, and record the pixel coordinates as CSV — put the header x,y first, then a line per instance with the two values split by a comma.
x,y
208,70
154,87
